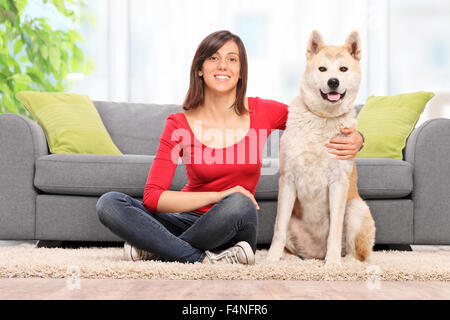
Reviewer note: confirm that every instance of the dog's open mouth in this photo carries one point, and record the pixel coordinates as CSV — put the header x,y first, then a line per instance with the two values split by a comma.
x,y
333,96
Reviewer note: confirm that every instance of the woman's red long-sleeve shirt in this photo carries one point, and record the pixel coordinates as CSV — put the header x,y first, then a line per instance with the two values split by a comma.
x,y
211,169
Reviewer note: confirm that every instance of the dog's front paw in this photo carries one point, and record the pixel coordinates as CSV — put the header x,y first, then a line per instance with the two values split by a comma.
x,y
272,256
331,261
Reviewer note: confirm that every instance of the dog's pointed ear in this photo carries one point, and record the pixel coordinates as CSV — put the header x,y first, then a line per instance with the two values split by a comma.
x,y
353,45
315,43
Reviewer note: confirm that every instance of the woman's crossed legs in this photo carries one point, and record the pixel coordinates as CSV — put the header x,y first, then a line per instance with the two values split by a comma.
x,y
183,236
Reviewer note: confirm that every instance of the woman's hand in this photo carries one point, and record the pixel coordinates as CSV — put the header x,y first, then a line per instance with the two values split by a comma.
x,y
346,147
222,194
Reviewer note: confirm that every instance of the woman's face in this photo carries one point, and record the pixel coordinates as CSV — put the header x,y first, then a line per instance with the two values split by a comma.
x,y
221,71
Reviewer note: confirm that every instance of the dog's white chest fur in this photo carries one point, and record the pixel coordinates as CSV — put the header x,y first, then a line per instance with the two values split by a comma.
x,y
308,163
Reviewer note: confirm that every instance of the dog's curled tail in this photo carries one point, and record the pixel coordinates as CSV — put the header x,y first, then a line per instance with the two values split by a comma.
x,y
365,238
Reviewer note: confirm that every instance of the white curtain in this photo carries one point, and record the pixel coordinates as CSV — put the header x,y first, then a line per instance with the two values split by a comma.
x,y
144,48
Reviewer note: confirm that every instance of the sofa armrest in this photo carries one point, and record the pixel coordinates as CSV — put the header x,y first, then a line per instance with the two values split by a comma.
x,y
22,141
428,150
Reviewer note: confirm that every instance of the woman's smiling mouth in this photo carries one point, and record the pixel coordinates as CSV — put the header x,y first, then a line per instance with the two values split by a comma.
x,y
221,77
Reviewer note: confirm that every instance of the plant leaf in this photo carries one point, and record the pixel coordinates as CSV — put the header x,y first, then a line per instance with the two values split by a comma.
x,y
33,44
9,103
55,57
18,45
44,51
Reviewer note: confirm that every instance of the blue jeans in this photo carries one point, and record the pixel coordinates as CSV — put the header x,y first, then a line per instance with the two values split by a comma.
x,y
183,236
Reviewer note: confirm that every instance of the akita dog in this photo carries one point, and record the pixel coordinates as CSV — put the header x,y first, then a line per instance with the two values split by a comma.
x,y
320,213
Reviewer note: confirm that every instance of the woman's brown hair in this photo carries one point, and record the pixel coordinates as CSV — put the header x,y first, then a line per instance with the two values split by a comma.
x,y
209,46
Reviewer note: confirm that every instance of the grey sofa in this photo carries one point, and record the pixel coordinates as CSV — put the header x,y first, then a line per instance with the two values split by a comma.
x,y
53,196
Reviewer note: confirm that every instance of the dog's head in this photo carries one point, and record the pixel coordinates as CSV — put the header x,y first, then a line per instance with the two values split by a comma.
x,y
332,75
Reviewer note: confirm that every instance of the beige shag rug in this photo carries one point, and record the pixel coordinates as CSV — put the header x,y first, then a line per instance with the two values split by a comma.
x,y
107,263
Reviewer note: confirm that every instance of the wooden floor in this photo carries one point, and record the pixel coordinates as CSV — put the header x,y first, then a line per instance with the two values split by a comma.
x,y
93,289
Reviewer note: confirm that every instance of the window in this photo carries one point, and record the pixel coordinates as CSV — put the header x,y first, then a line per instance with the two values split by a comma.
x,y
144,48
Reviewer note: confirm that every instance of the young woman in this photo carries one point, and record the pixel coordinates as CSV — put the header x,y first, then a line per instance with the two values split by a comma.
x,y
220,137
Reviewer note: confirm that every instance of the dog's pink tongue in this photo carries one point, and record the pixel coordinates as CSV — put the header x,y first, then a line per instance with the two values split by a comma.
x,y
333,96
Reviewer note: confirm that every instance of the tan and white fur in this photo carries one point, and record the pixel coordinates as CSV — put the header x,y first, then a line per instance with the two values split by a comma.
x,y
320,213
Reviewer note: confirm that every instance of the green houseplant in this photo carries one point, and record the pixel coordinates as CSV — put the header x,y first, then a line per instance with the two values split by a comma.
x,y
35,56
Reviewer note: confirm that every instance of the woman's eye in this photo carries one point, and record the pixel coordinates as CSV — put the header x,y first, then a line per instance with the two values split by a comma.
x,y
213,58
343,69
233,59
322,69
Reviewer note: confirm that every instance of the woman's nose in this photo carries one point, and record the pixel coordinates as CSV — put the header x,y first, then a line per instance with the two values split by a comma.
x,y
222,64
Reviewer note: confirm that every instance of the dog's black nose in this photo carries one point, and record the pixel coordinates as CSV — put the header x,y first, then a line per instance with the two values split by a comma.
x,y
333,83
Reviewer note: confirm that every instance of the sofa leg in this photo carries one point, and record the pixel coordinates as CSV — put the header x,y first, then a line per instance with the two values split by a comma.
x,y
396,247
76,244
48,244
89,244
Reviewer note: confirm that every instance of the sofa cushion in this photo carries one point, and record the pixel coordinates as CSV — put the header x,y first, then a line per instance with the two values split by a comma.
x,y
94,175
378,178
83,174
135,127
383,178
386,123
70,121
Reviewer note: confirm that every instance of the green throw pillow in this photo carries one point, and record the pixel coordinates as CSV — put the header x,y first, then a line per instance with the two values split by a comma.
x,y
70,121
386,123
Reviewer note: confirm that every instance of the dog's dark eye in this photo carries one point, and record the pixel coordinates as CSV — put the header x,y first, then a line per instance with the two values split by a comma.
x,y
343,69
322,69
